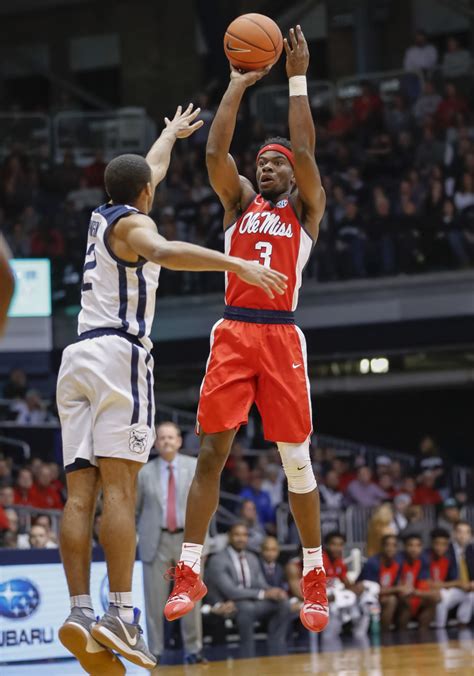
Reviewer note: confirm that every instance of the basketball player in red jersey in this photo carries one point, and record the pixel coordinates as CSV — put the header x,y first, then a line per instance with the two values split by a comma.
x,y
257,352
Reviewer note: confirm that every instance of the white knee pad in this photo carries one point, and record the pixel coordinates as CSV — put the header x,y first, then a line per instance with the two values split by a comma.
x,y
297,465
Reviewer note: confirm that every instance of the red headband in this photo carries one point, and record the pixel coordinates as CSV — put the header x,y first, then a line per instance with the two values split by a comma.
x,y
279,149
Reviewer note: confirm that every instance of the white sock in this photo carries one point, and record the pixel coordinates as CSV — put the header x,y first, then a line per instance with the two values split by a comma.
x,y
124,604
84,602
191,556
312,558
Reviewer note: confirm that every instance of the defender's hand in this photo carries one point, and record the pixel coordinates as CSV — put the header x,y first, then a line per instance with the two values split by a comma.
x,y
247,78
257,275
297,53
182,123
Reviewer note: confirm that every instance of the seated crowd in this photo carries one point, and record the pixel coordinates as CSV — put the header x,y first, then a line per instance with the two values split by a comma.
x,y
414,570
398,175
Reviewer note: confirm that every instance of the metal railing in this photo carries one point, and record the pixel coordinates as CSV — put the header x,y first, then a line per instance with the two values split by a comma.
x,y
388,84
31,131
125,130
17,444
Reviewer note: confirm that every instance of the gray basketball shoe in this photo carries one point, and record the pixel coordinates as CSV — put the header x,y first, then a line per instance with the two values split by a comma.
x,y
124,637
95,659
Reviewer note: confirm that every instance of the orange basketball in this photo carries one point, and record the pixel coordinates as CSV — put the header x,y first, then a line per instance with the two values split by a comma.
x,y
253,41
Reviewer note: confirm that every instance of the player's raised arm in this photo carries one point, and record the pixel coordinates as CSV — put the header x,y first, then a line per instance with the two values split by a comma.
x,y
7,284
182,125
302,132
233,190
140,234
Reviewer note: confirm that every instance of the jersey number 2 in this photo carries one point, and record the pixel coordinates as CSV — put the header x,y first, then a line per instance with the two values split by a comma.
x,y
89,265
265,249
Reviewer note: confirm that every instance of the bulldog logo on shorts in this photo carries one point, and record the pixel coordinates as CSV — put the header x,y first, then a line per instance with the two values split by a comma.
x,y
138,440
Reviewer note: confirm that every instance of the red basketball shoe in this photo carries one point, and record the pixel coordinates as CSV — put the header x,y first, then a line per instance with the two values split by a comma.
x,y
314,614
188,589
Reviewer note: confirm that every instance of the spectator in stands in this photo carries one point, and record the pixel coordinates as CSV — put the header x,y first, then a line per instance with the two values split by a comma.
x,y
401,503
368,108
421,55
426,493
380,525
427,104
443,576
451,230
449,516
464,195
43,495
46,521
362,491
262,500
32,410
384,569
419,601
351,242
16,385
13,522
19,241
430,151
341,124
236,575
94,172
24,484
456,61
7,496
381,228
408,486
273,483
329,493
398,117
341,464
86,197
38,537
417,524
451,105
272,569
396,472
461,553
256,532
5,472
432,460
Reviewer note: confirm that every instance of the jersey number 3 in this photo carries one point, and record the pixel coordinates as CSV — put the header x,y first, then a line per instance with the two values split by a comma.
x,y
265,249
89,265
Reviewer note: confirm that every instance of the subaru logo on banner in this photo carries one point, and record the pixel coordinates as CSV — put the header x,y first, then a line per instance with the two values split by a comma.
x,y
19,598
104,593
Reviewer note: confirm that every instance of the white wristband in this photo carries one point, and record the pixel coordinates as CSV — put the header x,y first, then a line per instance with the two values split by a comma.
x,y
298,85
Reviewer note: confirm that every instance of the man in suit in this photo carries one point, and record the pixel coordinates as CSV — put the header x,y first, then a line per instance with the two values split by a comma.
x,y
461,555
272,570
163,486
236,575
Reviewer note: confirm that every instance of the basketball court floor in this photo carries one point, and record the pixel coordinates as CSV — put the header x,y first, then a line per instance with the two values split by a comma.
x,y
442,654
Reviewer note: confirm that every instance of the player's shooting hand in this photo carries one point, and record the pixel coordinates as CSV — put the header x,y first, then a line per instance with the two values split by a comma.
x,y
247,78
297,53
182,125
269,280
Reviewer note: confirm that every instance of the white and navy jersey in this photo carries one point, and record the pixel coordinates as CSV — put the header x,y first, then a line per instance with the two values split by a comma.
x,y
116,294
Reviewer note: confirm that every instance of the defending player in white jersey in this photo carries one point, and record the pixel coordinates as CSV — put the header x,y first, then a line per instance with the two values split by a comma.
x,y
105,393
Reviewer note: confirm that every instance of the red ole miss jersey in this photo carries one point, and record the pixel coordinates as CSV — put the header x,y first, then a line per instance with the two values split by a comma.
x,y
336,568
414,574
272,235
439,568
388,574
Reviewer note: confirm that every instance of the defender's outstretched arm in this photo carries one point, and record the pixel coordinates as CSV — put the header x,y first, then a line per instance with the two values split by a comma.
x,y
181,126
140,234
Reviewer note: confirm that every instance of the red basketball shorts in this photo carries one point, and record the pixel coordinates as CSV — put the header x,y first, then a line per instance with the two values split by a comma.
x,y
261,363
